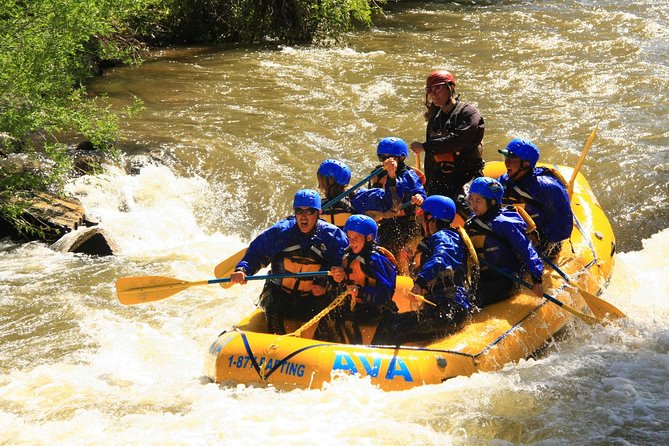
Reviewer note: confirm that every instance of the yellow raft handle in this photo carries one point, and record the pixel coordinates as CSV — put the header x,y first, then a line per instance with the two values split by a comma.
x,y
474,259
531,225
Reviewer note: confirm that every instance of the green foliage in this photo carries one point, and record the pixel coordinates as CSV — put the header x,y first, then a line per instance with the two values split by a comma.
x,y
291,21
47,49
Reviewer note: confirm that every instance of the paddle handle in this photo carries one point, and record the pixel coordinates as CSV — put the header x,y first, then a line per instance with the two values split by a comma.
x,y
269,276
339,197
583,316
422,299
579,163
555,267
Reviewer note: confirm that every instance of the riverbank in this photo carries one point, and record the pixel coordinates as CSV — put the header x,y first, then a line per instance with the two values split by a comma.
x,y
51,48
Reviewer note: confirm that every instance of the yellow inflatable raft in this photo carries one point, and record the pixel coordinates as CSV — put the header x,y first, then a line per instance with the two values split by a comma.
x,y
501,333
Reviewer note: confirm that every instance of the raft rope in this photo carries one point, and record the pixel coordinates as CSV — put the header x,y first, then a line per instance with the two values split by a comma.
x,y
247,346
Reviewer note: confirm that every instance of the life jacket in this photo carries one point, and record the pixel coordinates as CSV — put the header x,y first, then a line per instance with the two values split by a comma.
x,y
357,269
446,286
478,231
294,259
423,253
448,162
519,197
449,158
338,214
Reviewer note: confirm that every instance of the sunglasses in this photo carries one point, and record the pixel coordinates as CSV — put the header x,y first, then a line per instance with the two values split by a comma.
x,y
510,156
308,211
385,157
434,88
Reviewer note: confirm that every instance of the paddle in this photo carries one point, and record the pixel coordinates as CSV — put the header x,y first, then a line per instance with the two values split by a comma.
x,y
227,266
139,290
599,307
588,143
583,316
422,299
339,197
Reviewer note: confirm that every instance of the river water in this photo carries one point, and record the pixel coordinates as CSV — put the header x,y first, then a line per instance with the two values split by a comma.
x,y
241,128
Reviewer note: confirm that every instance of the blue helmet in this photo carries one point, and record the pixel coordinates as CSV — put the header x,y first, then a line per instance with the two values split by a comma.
x,y
440,207
361,224
523,149
335,169
392,146
488,188
307,198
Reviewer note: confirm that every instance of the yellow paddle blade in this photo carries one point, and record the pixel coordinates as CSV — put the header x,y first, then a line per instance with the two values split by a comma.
x,y
404,282
227,266
599,307
138,290
584,317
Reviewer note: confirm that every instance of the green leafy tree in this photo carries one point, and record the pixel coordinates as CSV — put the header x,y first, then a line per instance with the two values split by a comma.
x,y
48,48
291,21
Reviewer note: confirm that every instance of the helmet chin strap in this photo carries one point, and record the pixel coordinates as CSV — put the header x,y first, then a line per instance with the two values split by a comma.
x,y
524,169
423,230
493,207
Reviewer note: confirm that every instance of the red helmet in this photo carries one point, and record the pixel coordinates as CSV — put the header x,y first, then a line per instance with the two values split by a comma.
x,y
440,77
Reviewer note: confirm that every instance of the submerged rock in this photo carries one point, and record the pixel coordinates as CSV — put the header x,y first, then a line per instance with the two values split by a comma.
x,y
86,240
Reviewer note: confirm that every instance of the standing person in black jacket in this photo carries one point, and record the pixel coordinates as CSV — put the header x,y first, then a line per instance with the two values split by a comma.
x,y
453,147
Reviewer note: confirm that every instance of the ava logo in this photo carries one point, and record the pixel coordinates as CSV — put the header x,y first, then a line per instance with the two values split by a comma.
x,y
374,366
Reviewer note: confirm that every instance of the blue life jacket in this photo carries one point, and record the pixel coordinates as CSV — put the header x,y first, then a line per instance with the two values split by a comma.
x,y
443,268
289,250
545,199
500,239
358,202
